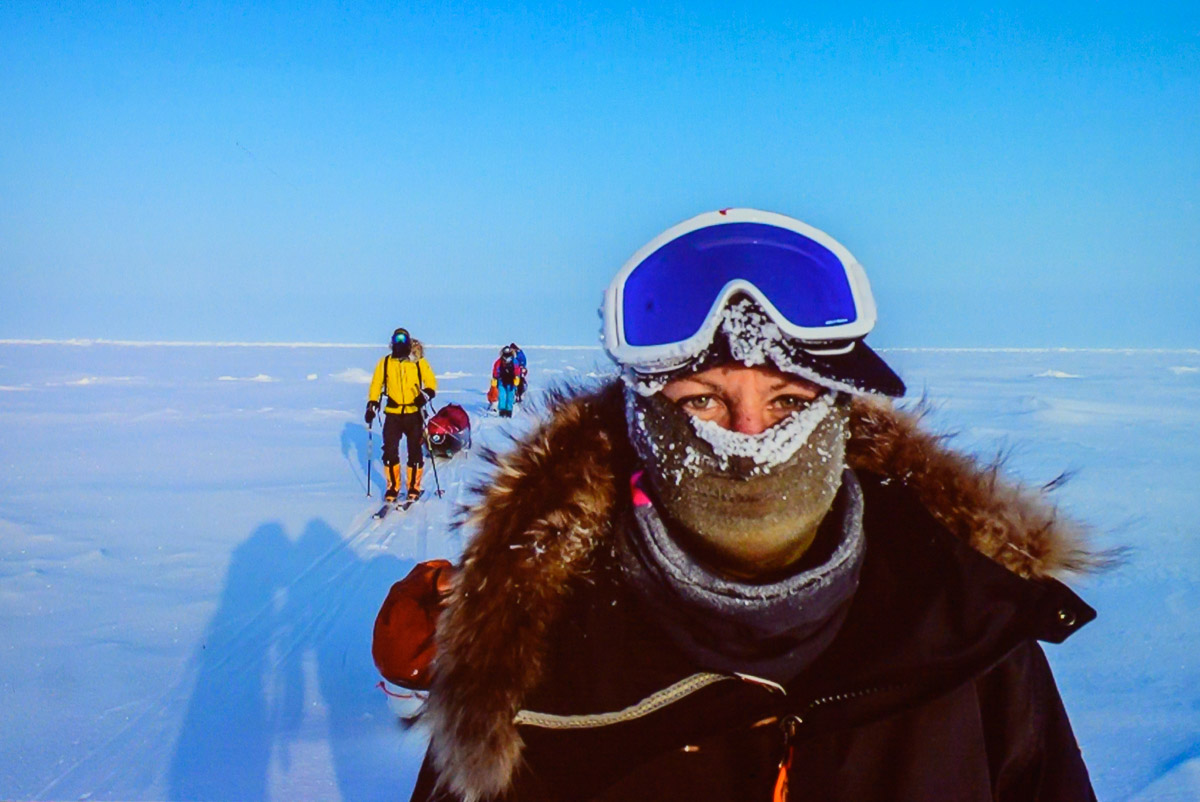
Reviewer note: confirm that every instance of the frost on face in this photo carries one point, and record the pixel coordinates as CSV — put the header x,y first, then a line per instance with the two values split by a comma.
x,y
755,339
677,446
771,447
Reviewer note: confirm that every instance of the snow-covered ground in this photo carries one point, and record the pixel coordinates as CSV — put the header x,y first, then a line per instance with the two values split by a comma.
x,y
189,572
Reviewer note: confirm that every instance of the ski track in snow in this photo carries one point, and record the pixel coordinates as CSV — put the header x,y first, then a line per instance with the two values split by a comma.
x,y
196,623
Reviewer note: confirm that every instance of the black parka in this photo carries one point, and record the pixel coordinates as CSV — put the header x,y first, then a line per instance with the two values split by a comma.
x,y
934,689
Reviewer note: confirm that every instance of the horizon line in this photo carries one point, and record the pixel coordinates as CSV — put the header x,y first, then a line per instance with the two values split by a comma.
x,y
90,341
83,342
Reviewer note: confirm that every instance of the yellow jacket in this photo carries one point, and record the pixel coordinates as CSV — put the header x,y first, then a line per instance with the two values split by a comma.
x,y
404,380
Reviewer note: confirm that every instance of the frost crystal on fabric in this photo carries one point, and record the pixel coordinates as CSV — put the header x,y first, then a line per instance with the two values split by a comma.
x,y
752,338
769,448
752,502
680,444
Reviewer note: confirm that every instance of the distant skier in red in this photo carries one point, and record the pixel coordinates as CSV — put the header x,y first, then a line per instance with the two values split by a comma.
x,y
506,378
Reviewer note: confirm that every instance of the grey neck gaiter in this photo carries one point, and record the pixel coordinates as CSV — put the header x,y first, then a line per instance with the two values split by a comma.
x,y
750,504
772,630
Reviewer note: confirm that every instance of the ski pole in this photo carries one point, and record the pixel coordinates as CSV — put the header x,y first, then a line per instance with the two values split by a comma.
x,y
370,451
425,430
432,459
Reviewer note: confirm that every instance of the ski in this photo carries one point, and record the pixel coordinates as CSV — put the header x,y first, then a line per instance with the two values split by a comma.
x,y
399,506
408,502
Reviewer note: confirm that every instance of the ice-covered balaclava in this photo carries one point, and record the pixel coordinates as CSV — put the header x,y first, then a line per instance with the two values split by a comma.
x,y
748,504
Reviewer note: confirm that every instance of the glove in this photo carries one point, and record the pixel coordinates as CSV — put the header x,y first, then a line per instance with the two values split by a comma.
x,y
372,411
421,400
493,382
516,381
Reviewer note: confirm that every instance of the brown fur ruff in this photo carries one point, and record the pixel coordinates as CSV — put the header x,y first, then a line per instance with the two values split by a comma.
x,y
550,503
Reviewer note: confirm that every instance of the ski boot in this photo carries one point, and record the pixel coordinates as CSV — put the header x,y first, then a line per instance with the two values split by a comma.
x,y
393,480
414,481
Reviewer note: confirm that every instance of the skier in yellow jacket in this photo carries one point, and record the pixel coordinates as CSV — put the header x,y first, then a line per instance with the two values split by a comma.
x,y
404,383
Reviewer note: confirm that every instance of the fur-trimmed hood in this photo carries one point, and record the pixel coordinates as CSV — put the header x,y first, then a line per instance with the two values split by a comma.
x,y
550,503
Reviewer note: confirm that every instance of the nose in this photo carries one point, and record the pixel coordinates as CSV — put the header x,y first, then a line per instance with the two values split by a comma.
x,y
749,419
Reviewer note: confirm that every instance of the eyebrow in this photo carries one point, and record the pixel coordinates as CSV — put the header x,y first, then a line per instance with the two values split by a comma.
x,y
778,385
782,383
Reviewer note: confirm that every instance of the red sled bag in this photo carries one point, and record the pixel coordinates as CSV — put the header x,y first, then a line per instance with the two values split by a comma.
x,y
449,431
493,394
403,642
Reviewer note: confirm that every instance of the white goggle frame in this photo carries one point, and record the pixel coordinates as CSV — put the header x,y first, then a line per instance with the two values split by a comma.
x,y
824,340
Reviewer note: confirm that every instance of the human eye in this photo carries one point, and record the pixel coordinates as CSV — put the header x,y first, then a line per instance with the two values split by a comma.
x,y
697,403
790,402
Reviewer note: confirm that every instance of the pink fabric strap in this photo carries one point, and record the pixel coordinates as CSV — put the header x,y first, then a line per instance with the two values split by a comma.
x,y
640,499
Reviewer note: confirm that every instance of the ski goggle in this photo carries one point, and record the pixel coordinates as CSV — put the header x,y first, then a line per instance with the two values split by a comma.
x,y
399,338
665,304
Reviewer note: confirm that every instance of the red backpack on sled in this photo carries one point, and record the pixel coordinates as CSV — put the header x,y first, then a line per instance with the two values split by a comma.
x,y
449,431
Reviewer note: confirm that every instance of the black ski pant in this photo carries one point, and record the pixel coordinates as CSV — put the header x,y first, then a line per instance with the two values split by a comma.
x,y
403,424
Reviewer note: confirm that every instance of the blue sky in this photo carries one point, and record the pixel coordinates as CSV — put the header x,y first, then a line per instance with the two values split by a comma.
x,y
1018,176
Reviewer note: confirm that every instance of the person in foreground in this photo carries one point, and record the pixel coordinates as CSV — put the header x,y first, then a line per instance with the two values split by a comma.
x,y
739,573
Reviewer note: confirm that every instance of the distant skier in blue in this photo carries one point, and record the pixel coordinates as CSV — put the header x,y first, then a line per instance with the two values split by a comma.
x,y
522,370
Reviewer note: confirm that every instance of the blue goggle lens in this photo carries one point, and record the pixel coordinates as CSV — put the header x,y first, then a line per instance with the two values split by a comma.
x,y
399,338
667,297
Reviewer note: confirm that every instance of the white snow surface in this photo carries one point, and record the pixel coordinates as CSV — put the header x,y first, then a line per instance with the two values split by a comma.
x,y
190,573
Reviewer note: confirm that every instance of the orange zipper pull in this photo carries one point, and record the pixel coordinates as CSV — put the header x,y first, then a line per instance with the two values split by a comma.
x,y
789,725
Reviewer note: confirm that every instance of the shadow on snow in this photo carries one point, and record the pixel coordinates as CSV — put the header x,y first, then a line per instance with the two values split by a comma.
x,y
293,623
357,445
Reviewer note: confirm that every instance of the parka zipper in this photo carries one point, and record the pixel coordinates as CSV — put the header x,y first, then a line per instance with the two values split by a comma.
x,y
790,726
848,695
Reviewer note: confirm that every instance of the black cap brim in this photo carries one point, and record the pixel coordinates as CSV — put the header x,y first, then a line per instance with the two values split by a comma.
x,y
860,367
